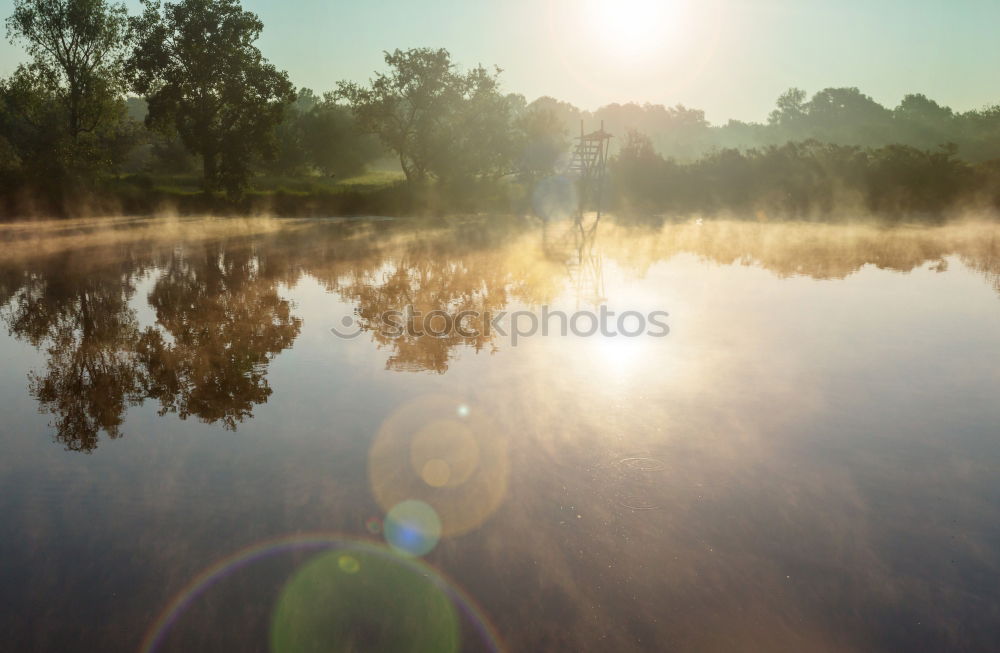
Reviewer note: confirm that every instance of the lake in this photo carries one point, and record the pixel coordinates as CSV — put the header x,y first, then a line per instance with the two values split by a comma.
x,y
298,435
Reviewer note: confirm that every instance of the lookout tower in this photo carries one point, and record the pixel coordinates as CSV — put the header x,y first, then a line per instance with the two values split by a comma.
x,y
590,161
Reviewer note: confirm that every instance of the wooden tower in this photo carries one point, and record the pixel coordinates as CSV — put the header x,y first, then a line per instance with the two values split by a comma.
x,y
590,161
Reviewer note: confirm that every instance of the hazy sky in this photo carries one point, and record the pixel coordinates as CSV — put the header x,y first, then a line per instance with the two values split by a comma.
x,y
731,58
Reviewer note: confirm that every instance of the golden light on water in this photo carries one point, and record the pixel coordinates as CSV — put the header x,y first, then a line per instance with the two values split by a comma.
x,y
617,356
588,470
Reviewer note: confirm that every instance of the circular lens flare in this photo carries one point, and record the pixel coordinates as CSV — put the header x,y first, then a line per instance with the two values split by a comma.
x,y
458,467
356,600
444,453
352,557
412,528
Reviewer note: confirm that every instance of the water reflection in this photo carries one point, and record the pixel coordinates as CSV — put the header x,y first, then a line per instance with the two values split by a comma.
x,y
82,319
220,320
220,315
803,464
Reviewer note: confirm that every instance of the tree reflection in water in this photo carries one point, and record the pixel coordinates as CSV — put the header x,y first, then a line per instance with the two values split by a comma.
x,y
83,322
220,321
221,317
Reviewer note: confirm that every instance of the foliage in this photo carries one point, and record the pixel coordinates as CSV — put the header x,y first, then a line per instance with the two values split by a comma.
x,y
477,139
797,179
321,135
196,64
455,127
542,141
407,107
841,116
62,111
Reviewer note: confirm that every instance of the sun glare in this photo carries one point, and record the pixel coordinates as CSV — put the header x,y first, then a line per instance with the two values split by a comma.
x,y
631,27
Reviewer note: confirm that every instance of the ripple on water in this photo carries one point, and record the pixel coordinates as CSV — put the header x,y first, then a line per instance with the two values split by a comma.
x,y
641,464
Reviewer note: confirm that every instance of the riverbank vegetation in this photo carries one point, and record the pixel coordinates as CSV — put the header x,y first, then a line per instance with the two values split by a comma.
x,y
176,109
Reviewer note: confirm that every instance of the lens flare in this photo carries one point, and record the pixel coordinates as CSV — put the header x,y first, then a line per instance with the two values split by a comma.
x,y
352,556
436,472
349,564
457,466
412,528
444,453
376,603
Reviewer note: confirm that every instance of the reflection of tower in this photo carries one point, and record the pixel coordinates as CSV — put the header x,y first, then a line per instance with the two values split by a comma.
x,y
573,247
590,161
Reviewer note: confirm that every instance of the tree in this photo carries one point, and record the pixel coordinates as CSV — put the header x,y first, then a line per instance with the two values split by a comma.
x,y
334,142
31,122
568,115
196,64
979,133
456,127
321,135
791,109
290,156
480,139
922,121
542,140
407,106
78,47
848,117
641,175
64,104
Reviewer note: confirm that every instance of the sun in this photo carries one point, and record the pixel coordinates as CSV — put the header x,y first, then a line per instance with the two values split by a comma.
x,y
631,28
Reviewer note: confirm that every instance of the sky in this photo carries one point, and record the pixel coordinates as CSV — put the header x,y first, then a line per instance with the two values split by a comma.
x,y
731,58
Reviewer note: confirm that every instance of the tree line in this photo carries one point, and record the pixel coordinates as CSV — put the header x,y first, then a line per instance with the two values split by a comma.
x,y
181,88
841,116
804,179
204,94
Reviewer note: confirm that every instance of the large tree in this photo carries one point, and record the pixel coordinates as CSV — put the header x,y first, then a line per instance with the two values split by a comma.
x,y
62,107
407,107
196,63
454,126
480,138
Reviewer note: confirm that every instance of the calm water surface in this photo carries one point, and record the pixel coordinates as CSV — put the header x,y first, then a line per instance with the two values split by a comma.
x,y
193,461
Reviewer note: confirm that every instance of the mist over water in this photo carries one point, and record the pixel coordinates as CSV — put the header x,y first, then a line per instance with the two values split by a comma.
x,y
805,462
